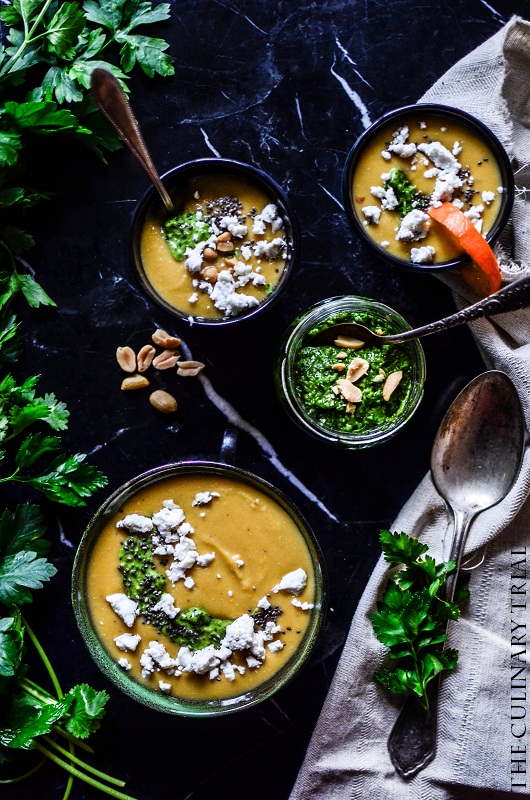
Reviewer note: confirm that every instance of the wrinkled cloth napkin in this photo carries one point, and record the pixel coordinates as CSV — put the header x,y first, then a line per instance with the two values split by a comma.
x,y
347,756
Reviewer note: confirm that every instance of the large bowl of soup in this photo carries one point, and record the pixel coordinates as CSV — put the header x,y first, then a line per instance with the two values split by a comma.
x,y
417,157
229,250
199,589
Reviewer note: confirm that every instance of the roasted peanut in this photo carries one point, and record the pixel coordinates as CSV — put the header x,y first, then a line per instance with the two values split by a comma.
x,y
164,339
224,237
357,368
126,359
350,392
163,401
145,357
225,247
189,369
349,343
210,275
134,382
166,359
391,384
209,254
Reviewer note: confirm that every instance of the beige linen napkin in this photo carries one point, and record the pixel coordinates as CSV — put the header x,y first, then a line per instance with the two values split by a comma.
x,y
479,754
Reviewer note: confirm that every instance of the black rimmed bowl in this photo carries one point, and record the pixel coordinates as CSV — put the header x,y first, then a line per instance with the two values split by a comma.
x,y
177,183
393,121
88,616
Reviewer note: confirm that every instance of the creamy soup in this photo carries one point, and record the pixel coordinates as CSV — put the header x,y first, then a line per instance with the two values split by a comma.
x,y
245,544
225,253
417,161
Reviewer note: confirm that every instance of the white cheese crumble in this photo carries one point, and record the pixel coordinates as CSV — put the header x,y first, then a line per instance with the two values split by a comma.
x,y
488,197
124,607
270,250
293,582
239,635
263,603
136,523
276,646
304,606
202,498
446,183
225,298
386,155
166,605
440,156
193,298
403,150
372,214
414,226
205,559
124,664
164,687
422,255
127,641
387,196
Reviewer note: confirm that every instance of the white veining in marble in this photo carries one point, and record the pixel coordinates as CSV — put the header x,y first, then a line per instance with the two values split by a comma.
x,y
354,97
332,197
352,62
209,145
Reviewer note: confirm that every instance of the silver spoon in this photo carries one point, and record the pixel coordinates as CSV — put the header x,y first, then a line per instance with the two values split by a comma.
x,y
515,295
113,104
475,460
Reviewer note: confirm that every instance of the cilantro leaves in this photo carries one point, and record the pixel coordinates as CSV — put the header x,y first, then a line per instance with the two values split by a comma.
x,y
412,616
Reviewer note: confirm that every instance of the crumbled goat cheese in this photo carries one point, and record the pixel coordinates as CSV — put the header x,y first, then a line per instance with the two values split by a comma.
x,y
136,523
189,583
276,224
431,173
270,250
488,197
263,603
228,671
159,655
403,150
474,212
457,149
423,125
386,155
239,635
387,196
147,664
440,156
385,244
193,298
401,135
239,561
414,226
276,646
194,258
372,214
422,255
457,202
167,520
214,673
246,252
225,297
202,498
233,225
164,687
124,664
446,183
205,559
124,607
166,604
127,641
304,606
294,582
253,663
258,280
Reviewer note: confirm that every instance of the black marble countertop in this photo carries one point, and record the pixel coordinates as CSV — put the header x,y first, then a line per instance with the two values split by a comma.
x,y
288,87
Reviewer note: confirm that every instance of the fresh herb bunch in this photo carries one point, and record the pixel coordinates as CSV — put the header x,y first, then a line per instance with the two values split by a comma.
x,y
405,191
31,717
48,53
412,616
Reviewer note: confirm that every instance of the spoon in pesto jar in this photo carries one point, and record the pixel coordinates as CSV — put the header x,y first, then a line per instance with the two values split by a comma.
x,y
514,296
475,460
113,104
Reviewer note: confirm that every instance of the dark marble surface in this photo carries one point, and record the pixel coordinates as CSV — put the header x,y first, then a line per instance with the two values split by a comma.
x,y
286,86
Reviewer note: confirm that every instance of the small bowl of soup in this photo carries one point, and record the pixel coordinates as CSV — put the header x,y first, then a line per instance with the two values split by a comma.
x,y
417,157
228,252
347,393
199,589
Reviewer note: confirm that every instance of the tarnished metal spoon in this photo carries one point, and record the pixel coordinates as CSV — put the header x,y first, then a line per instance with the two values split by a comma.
x,y
113,104
514,296
475,460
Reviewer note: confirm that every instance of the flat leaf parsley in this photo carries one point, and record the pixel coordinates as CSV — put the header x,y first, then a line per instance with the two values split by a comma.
x,y
412,616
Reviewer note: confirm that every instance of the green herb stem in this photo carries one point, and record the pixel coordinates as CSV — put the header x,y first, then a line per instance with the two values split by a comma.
x,y
81,775
83,764
72,739
45,660
27,37
26,775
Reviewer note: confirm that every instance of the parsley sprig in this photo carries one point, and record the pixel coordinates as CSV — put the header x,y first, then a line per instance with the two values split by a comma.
x,y
412,617
30,716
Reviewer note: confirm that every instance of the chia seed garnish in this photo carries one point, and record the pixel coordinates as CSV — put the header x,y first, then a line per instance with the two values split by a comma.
x,y
265,615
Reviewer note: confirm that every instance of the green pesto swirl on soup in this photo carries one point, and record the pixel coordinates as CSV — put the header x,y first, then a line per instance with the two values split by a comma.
x,y
350,388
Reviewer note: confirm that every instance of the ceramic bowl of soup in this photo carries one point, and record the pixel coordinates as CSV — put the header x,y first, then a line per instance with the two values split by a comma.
x,y
199,589
228,252
416,157
346,393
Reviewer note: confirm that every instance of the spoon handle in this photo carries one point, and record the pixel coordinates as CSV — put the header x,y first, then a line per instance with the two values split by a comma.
x,y
514,296
113,104
412,740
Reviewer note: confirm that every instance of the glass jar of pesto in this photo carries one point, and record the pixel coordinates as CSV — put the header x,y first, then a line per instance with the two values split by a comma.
x,y
349,395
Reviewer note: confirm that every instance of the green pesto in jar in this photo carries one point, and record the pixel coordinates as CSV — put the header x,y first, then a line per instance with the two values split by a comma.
x,y
315,378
